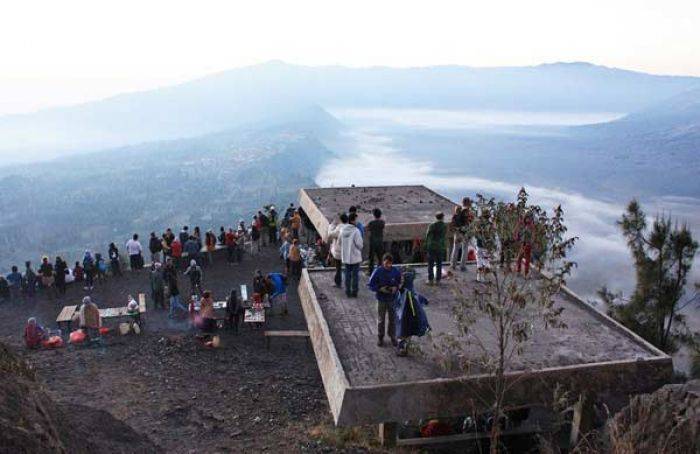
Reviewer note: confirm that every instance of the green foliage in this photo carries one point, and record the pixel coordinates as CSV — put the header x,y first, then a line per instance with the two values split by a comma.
x,y
663,255
509,304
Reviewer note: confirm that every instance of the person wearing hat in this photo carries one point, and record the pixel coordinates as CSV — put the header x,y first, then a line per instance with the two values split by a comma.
x,y
90,319
195,274
435,247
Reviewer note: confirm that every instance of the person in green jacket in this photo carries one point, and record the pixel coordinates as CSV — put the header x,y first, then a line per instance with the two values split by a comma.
x,y
435,247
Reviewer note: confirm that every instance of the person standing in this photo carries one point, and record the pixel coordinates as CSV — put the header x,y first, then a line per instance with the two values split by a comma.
x,y
29,279
295,263
460,247
175,299
272,226
376,239
135,251
114,261
88,269
351,244
192,248
157,286
264,222
155,247
4,289
47,277
61,269
385,283
210,246
230,242
435,247
353,210
195,274
295,224
334,237
233,311
14,280
525,234
176,252
184,235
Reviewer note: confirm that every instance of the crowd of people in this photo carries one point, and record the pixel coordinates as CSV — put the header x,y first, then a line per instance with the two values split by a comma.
x,y
473,228
399,305
189,250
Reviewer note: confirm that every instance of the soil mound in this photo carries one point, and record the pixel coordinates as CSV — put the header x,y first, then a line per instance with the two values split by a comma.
x,y
667,420
30,421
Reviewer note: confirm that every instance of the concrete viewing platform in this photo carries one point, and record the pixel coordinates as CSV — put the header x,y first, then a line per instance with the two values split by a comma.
x,y
407,210
369,384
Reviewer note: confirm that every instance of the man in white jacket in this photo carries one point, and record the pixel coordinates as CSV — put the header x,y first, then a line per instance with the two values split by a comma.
x,y
334,237
351,253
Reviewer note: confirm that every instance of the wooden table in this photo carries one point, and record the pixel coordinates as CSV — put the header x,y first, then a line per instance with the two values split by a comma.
x,y
65,317
254,316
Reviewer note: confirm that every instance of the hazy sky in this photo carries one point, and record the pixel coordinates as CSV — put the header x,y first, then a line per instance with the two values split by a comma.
x,y
70,51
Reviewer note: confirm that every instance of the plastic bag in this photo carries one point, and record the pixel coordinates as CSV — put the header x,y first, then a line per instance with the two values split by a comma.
x,y
77,337
53,342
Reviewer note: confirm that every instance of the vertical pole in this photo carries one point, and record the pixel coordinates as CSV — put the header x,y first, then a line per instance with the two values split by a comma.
x,y
388,433
582,421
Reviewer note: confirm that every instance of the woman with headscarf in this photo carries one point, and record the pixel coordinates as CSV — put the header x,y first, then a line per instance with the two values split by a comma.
x,y
411,319
34,333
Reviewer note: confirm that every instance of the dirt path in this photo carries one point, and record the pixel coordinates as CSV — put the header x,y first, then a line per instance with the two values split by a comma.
x,y
238,398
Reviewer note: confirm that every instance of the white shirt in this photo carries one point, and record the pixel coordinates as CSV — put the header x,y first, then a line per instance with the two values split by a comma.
x,y
133,247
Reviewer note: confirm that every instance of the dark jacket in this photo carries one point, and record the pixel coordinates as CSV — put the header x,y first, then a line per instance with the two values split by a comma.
x,y
382,278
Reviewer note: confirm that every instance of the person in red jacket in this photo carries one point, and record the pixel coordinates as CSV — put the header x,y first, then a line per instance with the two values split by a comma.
x,y
176,252
34,333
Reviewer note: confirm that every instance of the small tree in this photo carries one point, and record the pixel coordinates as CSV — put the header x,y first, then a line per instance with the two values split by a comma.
x,y
663,257
508,303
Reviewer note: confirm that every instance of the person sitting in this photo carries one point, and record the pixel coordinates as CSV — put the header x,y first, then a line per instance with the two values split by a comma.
x,y
90,320
134,313
34,334
207,320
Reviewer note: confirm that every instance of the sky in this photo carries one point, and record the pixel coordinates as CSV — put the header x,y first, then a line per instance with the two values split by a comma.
x,y
57,53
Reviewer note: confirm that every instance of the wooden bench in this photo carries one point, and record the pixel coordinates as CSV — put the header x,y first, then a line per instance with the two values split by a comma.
x,y
284,333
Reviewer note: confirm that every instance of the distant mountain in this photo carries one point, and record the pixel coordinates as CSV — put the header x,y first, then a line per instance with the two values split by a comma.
x,y
275,92
86,201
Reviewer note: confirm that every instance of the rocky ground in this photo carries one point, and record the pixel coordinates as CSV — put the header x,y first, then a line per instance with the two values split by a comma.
x,y
184,398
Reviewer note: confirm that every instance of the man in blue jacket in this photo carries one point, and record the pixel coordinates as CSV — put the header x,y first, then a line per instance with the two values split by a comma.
x,y
385,282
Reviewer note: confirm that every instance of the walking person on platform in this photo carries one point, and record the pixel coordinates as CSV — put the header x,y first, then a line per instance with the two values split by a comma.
x,y
460,247
376,239
272,226
385,283
435,247
192,248
351,244
176,252
295,261
334,237
175,298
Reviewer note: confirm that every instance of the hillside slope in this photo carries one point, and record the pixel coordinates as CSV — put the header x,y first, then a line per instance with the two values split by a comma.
x,y
31,422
